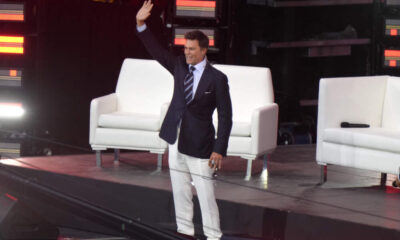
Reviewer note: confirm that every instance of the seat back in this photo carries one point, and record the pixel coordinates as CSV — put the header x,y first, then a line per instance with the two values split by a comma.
x,y
391,110
250,88
143,86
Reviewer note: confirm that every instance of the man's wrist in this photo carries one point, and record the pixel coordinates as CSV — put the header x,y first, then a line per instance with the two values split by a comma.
x,y
139,23
141,28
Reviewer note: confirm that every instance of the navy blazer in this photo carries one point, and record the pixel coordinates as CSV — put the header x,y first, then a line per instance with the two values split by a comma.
x,y
197,132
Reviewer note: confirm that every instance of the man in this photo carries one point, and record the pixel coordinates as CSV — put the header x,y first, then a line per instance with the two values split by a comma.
x,y
194,152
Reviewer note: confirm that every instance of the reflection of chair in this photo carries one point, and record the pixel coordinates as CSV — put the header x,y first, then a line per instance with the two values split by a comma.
x,y
368,100
131,117
255,115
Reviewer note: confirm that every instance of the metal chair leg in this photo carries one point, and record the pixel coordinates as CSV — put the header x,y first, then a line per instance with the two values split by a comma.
x,y
98,158
116,155
324,174
248,171
159,162
159,165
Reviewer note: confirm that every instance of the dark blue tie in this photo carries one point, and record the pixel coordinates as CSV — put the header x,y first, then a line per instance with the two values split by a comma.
x,y
188,85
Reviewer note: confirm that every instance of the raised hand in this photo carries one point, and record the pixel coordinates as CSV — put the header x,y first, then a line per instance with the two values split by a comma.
x,y
144,12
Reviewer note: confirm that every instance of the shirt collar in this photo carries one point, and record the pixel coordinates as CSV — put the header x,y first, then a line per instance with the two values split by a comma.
x,y
201,65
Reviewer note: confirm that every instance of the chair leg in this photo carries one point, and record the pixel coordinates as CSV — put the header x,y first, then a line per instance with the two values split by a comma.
x,y
159,165
264,173
159,162
248,171
324,174
116,155
383,179
98,158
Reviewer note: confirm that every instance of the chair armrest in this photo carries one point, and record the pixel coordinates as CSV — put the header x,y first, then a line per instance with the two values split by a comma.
x,y
163,111
264,128
98,106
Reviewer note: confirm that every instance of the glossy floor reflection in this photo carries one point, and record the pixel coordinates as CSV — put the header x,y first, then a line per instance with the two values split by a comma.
x,y
262,207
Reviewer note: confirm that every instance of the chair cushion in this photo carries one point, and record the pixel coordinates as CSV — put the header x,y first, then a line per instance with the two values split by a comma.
x,y
138,121
374,138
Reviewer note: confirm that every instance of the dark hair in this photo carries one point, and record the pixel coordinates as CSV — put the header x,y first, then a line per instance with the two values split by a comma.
x,y
199,36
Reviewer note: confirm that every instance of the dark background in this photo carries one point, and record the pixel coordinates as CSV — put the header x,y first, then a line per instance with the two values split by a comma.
x,y
75,48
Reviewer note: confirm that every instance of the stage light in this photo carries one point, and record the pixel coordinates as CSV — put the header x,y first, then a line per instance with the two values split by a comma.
x,y
195,8
10,77
11,110
12,12
12,44
392,58
392,27
179,35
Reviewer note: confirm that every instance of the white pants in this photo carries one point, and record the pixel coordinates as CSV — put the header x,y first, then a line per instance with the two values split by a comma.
x,y
183,168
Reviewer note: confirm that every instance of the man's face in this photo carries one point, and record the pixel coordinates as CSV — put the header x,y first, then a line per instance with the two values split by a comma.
x,y
193,53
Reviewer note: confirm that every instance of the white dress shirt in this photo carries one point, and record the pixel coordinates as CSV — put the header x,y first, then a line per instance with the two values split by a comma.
x,y
197,74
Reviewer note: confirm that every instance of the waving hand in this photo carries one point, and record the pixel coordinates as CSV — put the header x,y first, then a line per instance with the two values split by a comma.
x,y
144,12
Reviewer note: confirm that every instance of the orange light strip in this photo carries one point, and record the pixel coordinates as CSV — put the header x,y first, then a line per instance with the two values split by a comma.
x,y
393,32
16,50
211,42
10,44
188,3
10,39
182,41
392,53
11,17
13,73
12,12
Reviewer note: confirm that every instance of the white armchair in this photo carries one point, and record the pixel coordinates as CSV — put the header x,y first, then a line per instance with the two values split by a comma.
x,y
255,115
369,100
131,117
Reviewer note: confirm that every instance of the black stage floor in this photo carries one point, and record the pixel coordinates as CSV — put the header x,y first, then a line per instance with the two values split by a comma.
x,y
290,204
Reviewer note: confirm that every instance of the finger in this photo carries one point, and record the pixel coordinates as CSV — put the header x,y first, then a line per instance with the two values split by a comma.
x,y
149,4
210,163
214,163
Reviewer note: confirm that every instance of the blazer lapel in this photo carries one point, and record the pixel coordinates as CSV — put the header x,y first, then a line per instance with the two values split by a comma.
x,y
205,81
